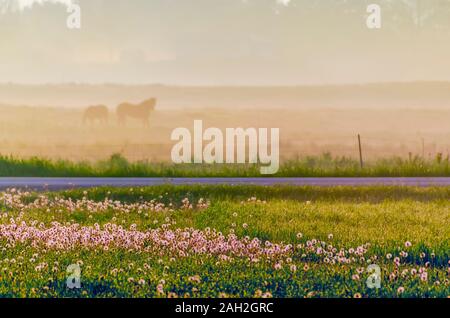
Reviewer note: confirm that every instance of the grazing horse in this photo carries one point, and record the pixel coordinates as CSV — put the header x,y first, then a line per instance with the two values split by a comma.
x,y
140,111
94,113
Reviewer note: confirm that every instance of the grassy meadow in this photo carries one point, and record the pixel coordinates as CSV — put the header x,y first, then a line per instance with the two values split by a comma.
x,y
315,141
310,166
57,133
226,241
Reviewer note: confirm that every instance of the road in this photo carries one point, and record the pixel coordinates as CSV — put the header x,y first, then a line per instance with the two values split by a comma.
x,y
68,183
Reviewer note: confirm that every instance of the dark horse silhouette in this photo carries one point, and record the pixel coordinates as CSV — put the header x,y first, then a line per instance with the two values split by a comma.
x,y
96,113
139,111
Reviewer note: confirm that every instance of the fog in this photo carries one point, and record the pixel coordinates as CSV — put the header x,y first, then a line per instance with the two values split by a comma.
x,y
393,119
311,68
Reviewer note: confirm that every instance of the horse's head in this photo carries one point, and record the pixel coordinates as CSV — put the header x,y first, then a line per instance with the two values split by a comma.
x,y
149,104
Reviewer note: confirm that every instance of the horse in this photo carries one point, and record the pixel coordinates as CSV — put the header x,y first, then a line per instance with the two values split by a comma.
x,y
139,111
94,113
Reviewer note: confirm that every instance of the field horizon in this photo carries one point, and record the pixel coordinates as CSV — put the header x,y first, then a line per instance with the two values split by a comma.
x,y
407,94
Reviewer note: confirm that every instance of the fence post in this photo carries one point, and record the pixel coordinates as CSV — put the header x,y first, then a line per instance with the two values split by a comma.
x,y
360,152
423,148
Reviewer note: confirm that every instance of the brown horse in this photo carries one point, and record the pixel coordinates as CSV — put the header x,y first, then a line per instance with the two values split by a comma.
x,y
140,111
96,113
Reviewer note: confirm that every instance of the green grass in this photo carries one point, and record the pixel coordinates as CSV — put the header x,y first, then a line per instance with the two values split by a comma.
x,y
385,217
320,166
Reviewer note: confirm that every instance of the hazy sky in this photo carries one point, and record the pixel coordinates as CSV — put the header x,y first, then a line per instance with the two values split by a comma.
x,y
215,42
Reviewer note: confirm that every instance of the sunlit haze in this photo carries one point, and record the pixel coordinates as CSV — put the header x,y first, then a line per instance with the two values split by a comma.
x,y
224,42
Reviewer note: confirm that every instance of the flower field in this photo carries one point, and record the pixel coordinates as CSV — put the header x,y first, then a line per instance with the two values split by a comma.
x,y
224,241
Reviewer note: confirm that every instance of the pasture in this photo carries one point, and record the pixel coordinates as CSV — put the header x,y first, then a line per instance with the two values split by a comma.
x,y
222,241
59,133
